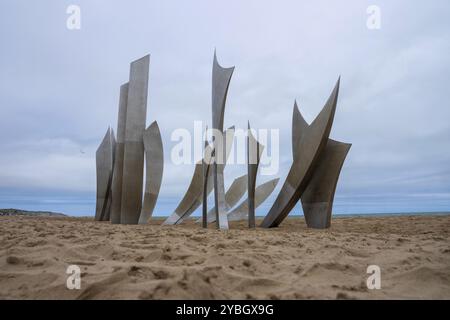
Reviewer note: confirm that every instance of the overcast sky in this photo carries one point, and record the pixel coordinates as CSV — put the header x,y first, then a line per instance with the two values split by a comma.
x,y
59,91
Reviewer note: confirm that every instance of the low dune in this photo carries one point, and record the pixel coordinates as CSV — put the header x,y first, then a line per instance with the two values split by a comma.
x,y
188,262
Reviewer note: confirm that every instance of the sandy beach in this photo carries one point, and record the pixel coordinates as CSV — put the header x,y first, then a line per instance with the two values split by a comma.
x,y
188,262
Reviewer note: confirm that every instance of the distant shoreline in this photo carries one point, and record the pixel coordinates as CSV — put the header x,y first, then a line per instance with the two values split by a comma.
x,y
19,212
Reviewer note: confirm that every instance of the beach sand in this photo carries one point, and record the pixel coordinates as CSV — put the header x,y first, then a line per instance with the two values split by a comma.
x,y
188,262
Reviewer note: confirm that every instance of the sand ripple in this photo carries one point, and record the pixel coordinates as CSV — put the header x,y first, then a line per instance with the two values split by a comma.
x,y
187,262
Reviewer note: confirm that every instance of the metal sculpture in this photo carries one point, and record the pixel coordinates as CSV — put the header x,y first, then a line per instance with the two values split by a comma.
x,y
118,159
254,152
192,199
309,150
192,195
221,78
262,192
234,193
312,178
104,164
317,199
154,160
133,160
206,169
